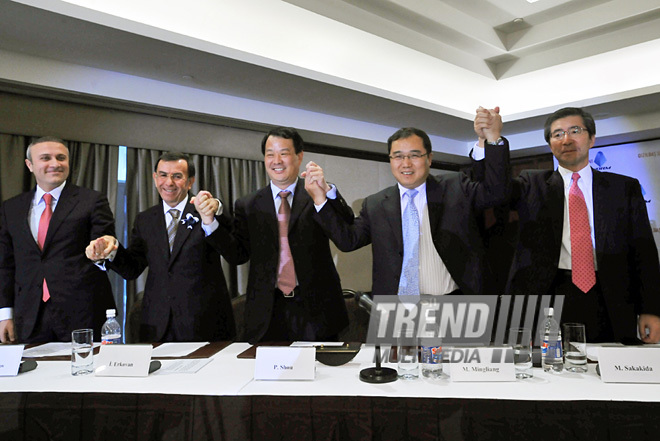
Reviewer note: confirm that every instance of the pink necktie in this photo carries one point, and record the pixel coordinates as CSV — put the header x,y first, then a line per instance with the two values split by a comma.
x,y
41,234
582,255
286,279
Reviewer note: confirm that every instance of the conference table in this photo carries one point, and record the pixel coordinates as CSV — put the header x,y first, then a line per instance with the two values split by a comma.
x,y
223,401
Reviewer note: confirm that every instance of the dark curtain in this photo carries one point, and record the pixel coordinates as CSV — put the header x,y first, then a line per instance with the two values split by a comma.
x,y
15,178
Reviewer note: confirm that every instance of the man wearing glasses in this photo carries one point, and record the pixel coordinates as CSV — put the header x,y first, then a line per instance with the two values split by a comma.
x,y
586,234
424,230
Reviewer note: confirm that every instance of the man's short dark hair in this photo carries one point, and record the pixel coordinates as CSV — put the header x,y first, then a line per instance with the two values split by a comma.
x,y
589,123
176,156
286,133
28,153
407,132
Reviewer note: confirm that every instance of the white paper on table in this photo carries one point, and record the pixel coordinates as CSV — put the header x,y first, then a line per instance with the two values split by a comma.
x,y
307,344
184,366
592,349
51,350
177,349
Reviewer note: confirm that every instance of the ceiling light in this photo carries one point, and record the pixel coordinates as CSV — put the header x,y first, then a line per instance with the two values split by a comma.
x,y
532,1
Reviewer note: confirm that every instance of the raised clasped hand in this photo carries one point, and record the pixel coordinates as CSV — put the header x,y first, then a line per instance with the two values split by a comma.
x,y
101,248
315,182
206,205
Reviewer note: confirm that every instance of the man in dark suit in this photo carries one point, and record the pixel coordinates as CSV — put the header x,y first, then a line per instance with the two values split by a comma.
x,y
47,286
185,297
294,291
449,256
615,289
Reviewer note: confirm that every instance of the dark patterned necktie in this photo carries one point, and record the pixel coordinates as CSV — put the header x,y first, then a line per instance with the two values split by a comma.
x,y
171,228
286,274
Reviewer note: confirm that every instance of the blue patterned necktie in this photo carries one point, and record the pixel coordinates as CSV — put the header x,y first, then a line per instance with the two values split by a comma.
x,y
409,282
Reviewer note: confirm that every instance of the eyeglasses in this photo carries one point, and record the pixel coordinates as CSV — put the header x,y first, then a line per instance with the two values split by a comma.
x,y
572,131
398,157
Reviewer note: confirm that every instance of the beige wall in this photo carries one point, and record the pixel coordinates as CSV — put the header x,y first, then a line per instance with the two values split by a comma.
x,y
355,179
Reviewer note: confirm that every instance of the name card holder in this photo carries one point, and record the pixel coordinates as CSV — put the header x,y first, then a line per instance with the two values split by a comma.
x,y
482,364
10,359
638,364
123,361
285,363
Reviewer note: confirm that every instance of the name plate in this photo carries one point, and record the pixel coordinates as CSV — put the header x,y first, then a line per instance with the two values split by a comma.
x,y
285,363
10,359
481,364
637,364
123,361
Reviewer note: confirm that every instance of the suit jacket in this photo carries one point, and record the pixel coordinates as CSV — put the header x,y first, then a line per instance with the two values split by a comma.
x,y
626,254
454,203
254,236
189,283
79,290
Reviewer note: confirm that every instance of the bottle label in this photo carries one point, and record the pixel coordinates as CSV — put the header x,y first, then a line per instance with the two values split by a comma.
x,y
551,348
432,354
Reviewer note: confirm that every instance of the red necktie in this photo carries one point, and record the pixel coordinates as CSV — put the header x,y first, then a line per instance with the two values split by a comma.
x,y
286,279
41,234
582,255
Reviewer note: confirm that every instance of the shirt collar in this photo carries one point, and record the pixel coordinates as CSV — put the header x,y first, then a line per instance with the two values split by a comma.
x,y
421,189
181,206
276,190
586,174
55,193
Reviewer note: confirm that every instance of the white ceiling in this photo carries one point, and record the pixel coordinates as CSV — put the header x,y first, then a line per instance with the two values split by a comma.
x,y
349,72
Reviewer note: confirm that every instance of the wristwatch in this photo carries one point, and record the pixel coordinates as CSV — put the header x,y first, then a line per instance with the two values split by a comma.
x,y
499,141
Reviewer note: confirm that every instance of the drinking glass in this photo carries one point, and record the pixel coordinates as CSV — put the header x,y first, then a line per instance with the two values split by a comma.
x,y
575,347
82,361
521,341
408,358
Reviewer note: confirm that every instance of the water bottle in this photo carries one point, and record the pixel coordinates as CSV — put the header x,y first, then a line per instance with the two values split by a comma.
x,y
551,354
432,361
111,330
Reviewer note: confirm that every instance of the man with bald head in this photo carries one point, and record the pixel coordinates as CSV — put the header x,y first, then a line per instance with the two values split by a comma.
x,y
47,286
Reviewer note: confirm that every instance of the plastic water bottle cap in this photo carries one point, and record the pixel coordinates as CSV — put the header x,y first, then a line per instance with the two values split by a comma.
x,y
110,312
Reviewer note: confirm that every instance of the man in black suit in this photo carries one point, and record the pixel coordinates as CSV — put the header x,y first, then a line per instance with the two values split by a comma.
x,y
449,256
47,286
294,291
621,294
186,297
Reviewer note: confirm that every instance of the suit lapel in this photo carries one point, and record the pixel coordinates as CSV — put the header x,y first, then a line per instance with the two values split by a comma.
x,y
157,221
391,204
265,206
24,213
434,203
599,194
556,204
68,200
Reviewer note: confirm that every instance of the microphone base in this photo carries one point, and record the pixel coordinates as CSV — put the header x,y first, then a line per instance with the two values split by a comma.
x,y
378,375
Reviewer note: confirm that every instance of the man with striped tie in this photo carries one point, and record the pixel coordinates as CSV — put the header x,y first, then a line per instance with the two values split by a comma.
x,y
186,296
